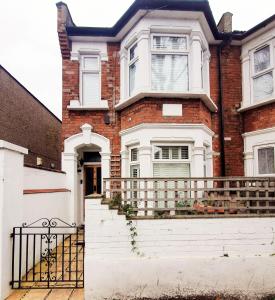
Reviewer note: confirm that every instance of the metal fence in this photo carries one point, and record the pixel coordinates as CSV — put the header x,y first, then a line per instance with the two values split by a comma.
x,y
47,254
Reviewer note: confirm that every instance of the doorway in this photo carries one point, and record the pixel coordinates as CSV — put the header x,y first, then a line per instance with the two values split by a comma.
x,y
92,179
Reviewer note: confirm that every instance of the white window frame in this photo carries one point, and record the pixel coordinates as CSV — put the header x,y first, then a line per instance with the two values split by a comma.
x,y
184,52
130,63
134,162
91,71
170,160
256,159
255,75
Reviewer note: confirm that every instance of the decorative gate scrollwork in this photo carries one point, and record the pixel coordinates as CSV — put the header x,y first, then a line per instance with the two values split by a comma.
x,y
48,253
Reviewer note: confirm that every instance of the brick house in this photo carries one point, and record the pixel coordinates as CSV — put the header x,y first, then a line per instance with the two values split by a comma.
x,y
166,92
33,126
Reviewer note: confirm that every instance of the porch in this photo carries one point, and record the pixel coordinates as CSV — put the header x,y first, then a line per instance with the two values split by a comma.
x,y
149,198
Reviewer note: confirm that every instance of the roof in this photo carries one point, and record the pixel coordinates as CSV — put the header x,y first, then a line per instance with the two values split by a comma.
x,y
184,5
7,72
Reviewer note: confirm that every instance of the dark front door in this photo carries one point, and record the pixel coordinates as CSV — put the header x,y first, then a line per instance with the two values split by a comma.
x,y
92,180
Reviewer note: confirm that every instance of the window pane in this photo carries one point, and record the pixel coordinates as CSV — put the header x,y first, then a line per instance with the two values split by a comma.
x,y
134,154
91,63
169,72
263,86
132,78
133,52
262,59
165,152
134,171
90,88
175,152
169,43
184,152
266,160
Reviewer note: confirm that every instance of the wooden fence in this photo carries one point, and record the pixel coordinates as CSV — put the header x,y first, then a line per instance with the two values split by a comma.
x,y
192,197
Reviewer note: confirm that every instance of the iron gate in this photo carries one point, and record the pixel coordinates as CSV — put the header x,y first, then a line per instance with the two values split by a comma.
x,y
48,253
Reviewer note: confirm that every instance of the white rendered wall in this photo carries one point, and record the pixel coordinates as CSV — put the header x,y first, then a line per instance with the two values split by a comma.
x,y
42,179
11,205
188,256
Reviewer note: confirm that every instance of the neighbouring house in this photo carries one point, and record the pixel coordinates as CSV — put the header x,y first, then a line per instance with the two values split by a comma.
x,y
165,92
26,122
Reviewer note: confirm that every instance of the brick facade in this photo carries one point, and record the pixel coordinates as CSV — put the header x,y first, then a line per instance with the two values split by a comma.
x,y
28,123
259,118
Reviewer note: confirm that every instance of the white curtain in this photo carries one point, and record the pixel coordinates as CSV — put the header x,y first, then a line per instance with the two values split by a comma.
x,y
90,88
132,77
262,59
169,43
266,161
263,86
169,72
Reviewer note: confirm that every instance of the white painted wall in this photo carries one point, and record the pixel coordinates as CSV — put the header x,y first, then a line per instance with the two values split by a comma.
x,y
11,204
180,256
42,179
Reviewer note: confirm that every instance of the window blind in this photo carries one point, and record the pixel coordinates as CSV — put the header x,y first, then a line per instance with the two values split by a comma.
x,y
266,163
90,88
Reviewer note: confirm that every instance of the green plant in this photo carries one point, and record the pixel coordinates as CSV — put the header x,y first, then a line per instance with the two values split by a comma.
x,y
116,201
129,212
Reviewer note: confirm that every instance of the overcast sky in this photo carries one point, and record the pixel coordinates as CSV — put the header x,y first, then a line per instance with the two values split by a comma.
x,y
29,45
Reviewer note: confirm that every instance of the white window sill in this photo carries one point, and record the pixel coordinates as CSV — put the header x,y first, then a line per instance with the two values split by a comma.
x,y
257,104
168,94
75,105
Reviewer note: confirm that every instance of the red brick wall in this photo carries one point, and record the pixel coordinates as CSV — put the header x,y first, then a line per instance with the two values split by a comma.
x,y
232,96
72,120
26,122
150,111
259,118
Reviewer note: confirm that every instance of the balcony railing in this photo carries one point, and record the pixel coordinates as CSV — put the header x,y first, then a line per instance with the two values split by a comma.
x,y
192,197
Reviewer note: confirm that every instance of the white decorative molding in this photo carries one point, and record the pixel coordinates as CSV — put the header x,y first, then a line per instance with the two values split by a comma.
x,y
168,94
261,131
101,105
167,126
255,105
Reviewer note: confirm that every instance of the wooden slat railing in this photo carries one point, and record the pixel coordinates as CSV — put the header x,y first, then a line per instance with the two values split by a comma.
x,y
189,197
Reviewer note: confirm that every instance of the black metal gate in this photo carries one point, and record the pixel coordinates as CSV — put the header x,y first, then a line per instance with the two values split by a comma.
x,y
48,253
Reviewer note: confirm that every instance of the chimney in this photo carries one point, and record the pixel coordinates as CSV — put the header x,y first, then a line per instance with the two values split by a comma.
x,y
64,19
225,23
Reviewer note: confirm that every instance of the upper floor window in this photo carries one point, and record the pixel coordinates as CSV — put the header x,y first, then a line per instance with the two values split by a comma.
x,y
90,80
133,63
134,154
263,83
169,63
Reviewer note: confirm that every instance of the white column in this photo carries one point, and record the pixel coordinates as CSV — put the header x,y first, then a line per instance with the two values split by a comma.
x,y
198,161
69,165
123,74
143,78
247,99
249,164
145,161
206,73
196,63
124,163
105,165
11,206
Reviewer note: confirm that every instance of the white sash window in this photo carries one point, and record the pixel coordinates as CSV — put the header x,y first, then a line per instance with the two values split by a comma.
x,y
90,81
266,160
169,63
263,82
133,65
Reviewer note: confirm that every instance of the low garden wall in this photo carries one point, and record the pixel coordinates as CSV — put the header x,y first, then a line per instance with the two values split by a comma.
x,y
169,257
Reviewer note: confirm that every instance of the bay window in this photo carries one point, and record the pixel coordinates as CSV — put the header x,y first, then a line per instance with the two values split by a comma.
x,y
263,83
169,63
90,80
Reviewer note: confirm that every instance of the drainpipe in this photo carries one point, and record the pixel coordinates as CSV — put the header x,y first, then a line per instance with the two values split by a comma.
x,y
225,42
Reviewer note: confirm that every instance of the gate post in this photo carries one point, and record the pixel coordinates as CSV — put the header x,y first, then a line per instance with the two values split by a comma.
x,y
11,203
